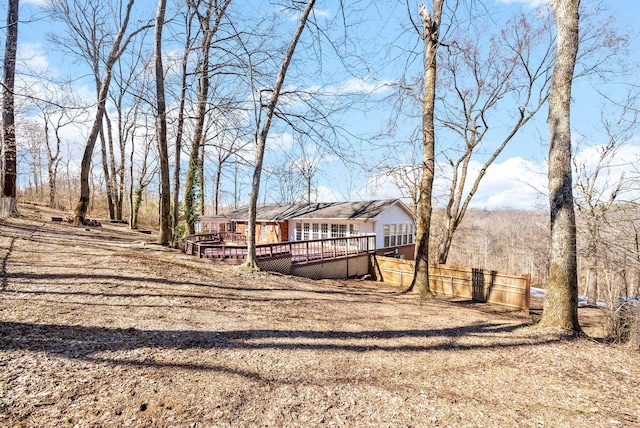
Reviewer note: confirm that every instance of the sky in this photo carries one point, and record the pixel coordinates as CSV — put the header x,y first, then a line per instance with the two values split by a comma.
x,y
517,178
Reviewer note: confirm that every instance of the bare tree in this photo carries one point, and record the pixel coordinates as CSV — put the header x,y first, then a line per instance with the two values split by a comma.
x,y
9,179
180,123
430,35
512,68
561,300
210,14
283,184
161,130
130,84
31,136
600,192
262,132
228,140
73,15
306,159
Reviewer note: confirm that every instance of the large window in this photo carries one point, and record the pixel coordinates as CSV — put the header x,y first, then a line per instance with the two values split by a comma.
x,y
398,234
324,230
353,230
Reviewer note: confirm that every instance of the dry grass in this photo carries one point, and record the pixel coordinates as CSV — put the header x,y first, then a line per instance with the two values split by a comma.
x,y
100,328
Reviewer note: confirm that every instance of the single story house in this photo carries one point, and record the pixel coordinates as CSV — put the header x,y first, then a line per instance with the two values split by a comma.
x,y
390,220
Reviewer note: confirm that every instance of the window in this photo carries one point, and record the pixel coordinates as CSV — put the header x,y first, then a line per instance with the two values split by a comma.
x,y
324,230
392,235
353,230
263,232
305,231
386,235
398,234
342,230
334,231
298,232
316,231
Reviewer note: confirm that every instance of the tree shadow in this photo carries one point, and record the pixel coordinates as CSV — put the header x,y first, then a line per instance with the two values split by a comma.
x,y
90,343
3,272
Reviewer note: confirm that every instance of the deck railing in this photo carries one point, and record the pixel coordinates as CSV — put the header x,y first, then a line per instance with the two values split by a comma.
x,y
299,251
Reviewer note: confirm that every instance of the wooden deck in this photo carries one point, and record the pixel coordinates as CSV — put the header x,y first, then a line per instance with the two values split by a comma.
x,y
300,252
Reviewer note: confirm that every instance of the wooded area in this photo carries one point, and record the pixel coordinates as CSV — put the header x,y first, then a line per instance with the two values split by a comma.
x,y
200,106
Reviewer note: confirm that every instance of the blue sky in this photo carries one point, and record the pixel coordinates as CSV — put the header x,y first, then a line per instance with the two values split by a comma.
x,y
518,177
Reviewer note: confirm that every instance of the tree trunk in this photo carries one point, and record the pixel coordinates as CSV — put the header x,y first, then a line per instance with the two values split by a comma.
x,y
431,27
592,283
85,166
179,130
561,300
193,169
261,139
105,171
9,185
201,202
113,175
161,131
216,190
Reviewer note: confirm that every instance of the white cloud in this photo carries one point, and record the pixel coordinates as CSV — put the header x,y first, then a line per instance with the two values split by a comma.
x,y
31,57
39,3
365,85
327,194
514,183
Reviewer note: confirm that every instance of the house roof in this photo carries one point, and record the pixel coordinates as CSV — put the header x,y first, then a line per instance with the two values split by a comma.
x,y
358,210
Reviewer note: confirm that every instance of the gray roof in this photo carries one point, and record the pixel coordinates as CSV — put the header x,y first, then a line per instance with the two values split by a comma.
x,y
358,210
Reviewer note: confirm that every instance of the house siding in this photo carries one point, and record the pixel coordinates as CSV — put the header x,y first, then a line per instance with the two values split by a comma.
x,y
392,215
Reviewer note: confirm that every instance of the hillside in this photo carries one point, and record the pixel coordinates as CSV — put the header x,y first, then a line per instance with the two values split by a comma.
x,y
101,327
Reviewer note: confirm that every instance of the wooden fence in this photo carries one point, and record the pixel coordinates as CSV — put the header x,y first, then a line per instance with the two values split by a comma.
x,y
506,289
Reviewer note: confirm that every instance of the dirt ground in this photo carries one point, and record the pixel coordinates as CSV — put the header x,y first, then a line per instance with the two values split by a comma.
x,y
99,327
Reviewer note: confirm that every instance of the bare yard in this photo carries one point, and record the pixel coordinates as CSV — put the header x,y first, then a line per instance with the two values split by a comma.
x,y
101,327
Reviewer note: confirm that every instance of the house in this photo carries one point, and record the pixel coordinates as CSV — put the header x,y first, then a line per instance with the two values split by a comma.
x,y
390,220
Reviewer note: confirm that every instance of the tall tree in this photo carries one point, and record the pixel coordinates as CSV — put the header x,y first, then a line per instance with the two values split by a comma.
x,y
430,37
161,130
484,76
263,132
210,14
118,47
561,300
9,184
175,217
87,36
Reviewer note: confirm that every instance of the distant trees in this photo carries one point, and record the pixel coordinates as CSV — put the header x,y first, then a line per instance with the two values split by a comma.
x,y
605,197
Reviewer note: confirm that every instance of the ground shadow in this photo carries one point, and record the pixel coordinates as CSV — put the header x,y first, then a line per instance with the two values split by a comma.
x,y
86,343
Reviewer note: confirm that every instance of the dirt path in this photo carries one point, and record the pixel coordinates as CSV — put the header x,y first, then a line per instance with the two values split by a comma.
x,y
100,327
